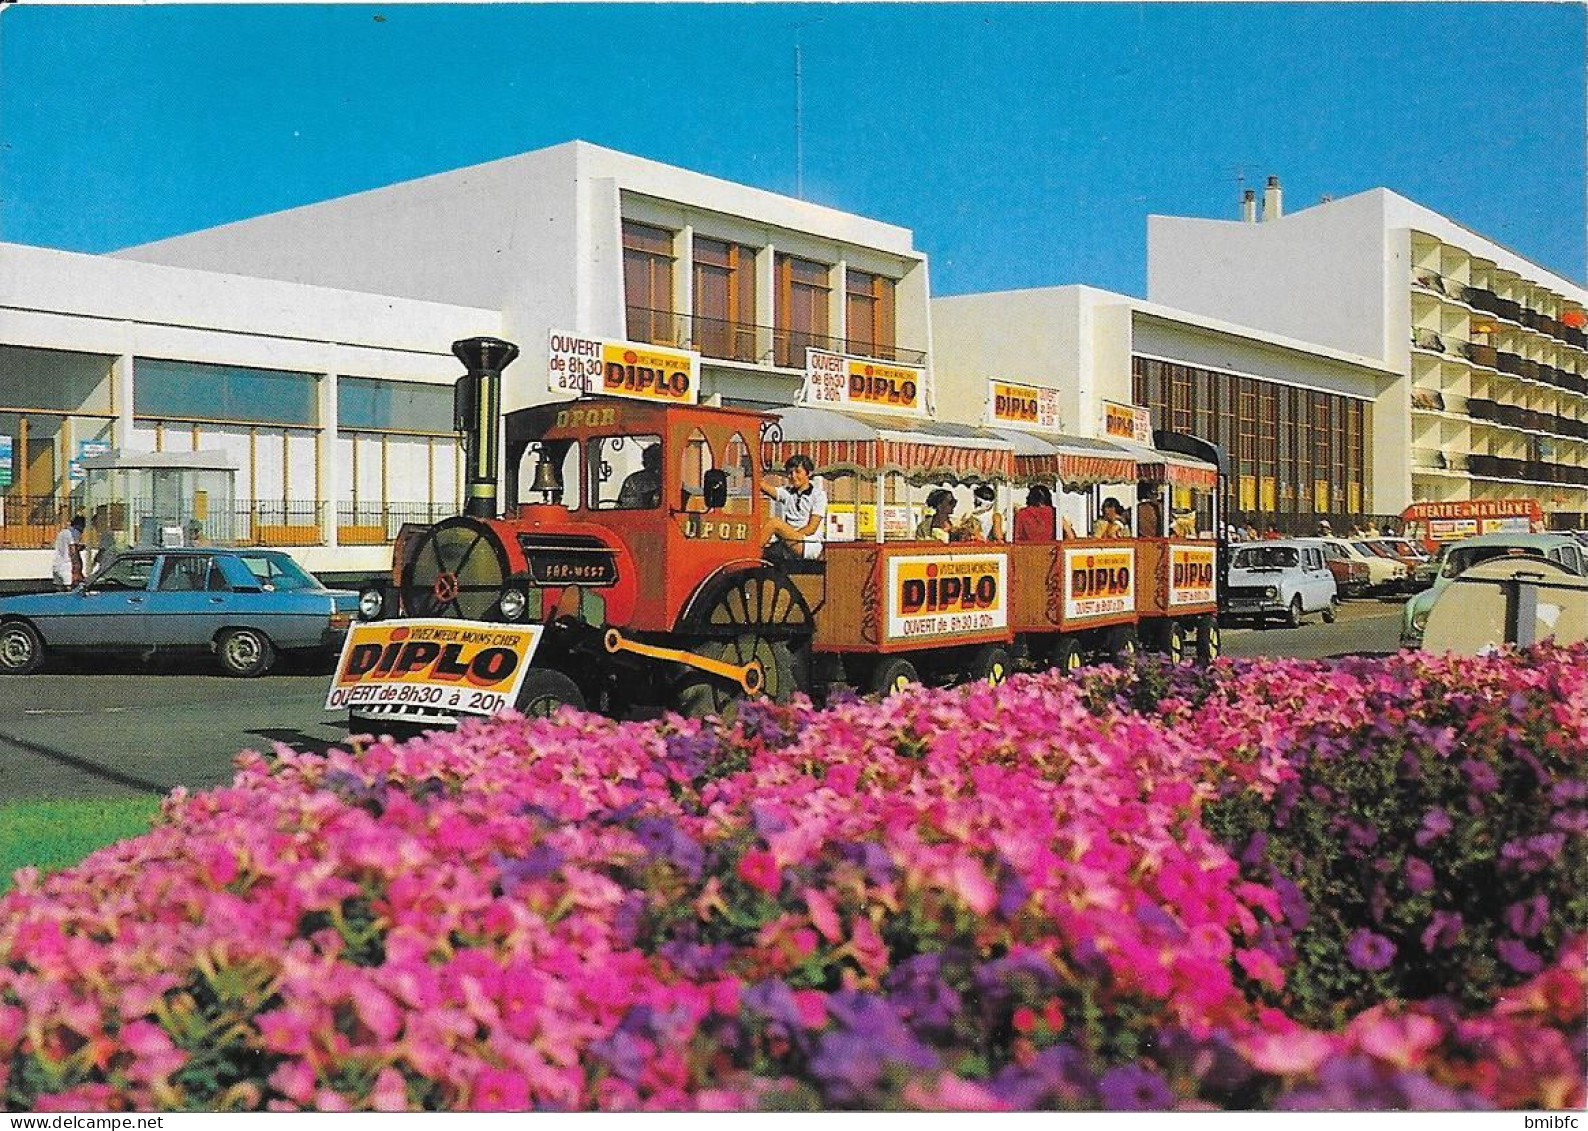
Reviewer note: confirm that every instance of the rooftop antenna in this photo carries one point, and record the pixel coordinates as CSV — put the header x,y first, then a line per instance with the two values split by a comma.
x,y
799,107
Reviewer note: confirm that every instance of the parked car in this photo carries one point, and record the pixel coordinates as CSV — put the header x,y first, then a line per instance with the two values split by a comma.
x,y
1456,558
1287,579
1402,550
1383,574
1351,578
245,606
1423,575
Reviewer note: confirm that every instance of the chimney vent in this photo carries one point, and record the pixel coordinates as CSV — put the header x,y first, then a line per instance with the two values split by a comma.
x,y
1273,207
1249,206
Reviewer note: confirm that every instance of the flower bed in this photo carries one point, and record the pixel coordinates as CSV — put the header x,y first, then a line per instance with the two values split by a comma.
x,y
1162,889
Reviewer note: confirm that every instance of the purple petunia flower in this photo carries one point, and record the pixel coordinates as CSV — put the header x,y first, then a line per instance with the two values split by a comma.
x,y
1481,777
1436,823
1443,930
921,996
1292,904
1134,1088
688,755
1012,894
627,917
871,857
624,1054
1056,1076
1529,916
1419,876
1572,789
1514,953
847,1066
539,862
1370,951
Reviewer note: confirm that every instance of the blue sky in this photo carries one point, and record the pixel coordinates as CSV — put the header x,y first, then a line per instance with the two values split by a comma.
x,y
1024,144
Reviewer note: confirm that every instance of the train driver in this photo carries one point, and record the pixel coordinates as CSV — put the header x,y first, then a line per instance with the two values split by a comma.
x,y
798,510
643,489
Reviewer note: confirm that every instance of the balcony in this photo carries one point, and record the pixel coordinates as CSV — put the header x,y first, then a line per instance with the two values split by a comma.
x,y
1428,400
1481,299
1529,370
1480,408
1575,336
1480,354
1508,363
1507,309
720,338
1428,340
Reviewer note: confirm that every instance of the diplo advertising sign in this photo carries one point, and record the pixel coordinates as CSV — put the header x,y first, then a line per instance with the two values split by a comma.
x,y
938,596
443,665
622,369
1023,406
1099,582
1191,570
833,380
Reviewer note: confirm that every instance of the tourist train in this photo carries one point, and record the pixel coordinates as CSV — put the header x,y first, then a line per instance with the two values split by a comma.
x,y
668,597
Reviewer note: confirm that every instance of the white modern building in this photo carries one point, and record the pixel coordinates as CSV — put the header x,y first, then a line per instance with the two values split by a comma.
x,y
1294,418
329,412
580,239
1492,396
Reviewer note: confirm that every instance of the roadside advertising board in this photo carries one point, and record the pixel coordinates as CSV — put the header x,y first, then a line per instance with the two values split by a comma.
x,y
1099,582
445,665
5,460
834,380
930,595
1130,422
578,364
1191,573
86,449
1022,406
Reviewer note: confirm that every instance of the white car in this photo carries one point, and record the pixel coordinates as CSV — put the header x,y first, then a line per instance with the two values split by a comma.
x,y
1384,575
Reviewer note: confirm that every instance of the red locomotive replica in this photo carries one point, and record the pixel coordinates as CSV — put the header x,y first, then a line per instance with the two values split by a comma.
x,y
635,546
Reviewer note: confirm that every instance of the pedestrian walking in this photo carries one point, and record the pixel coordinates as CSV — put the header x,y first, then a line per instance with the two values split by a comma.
x,y
67,567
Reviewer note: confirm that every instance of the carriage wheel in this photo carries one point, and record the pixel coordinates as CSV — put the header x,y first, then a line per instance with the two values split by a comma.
x,y
1067,655
699,693
1209,643
457,569
892,676
990,665
1174,642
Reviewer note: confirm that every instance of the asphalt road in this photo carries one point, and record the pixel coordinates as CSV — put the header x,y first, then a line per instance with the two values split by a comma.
x,y
112,728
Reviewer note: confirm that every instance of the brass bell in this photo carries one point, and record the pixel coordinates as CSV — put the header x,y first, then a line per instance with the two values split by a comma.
x,y
547,479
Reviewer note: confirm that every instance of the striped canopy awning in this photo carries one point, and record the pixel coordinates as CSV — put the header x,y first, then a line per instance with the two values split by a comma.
x,y
1075,461
1154,466
839,443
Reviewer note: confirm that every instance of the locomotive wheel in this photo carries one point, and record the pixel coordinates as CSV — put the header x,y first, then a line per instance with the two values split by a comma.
x,y
1067,656
1209,643
892,676
990,665
544,691
761,601
457,569
700,694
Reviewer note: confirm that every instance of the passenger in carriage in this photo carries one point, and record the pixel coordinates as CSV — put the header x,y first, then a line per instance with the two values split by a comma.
x,y
1036,521
939,517
984,523
1113,522
1184,525
798,511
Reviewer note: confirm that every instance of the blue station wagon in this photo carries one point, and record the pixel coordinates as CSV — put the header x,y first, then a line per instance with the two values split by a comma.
x,y
245,606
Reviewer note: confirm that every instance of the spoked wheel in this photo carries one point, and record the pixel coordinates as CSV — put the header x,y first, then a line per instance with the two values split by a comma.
x,y
457,569
892,676
990,665
699,693
761,601
1174,642
545,690
1122,645
1067,656
1209,643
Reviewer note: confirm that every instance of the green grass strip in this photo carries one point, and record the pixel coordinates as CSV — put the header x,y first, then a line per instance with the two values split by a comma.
x,y
57,834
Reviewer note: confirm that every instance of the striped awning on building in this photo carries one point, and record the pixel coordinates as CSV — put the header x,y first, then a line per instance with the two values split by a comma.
x,y
1154,466
841,443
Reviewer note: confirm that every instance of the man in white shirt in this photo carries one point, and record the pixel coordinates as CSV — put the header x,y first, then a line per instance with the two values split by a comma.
x,y
67,567
798,511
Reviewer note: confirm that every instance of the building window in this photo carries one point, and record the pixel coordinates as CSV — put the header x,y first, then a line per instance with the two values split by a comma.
x,y
869,314
648,284
803,295
393,406
724,300
1179,398
187,390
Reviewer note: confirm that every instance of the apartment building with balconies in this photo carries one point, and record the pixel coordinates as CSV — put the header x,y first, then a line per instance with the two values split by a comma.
x,y
582,240
1493,396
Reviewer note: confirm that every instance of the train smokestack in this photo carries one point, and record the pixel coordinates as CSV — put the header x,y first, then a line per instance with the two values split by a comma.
x,y
477,413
